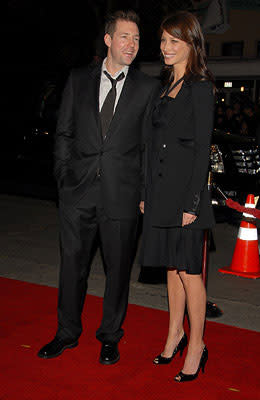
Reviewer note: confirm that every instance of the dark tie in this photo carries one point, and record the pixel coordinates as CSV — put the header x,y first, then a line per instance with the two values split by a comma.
x,y
107,111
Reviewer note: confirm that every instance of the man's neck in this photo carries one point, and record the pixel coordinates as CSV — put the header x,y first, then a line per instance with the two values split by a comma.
x,y
113,68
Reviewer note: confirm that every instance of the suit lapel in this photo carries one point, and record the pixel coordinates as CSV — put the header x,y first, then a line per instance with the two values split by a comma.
x,y
123,103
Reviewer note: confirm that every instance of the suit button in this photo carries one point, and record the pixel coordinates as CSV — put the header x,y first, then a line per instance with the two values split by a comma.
x,y
161,160
160,174
164,146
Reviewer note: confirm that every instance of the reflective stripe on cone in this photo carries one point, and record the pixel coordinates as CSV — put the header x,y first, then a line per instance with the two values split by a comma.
x,y
249,205
247,233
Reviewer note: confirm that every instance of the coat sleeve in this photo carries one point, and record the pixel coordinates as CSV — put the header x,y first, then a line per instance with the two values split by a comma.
x,y
64,131
203,110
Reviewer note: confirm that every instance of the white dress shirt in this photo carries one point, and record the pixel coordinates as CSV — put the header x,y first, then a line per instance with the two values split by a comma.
x,y
106,85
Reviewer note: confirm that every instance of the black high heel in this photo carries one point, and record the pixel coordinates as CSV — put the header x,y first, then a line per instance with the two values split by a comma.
x,y
181,377
179,348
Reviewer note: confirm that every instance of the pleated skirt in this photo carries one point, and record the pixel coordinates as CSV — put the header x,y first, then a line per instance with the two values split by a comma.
x,y
175,247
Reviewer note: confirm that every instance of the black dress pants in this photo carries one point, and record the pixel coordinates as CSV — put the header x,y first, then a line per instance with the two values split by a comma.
x,y
79,226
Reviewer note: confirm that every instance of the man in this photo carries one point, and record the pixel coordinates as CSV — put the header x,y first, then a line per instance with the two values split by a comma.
x,y
98,169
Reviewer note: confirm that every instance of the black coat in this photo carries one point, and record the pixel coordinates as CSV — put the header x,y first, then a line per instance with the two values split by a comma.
x,y
80,152
178,158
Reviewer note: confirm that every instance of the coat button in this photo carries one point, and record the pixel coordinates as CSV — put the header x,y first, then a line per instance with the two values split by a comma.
x,y
161,160
164,146
160,174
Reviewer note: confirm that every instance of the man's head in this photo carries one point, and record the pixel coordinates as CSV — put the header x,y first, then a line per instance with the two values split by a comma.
x,y
122,39
112,19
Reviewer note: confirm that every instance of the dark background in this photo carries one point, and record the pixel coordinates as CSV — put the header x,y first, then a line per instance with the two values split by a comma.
x,y
43,39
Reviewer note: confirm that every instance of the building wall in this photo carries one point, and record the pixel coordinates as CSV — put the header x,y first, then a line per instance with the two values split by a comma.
x,y
244,26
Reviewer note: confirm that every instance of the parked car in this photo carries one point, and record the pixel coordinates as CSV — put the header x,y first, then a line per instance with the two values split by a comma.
x,y
26,162
235,168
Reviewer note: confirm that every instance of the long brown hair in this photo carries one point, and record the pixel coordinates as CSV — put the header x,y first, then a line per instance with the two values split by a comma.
x,y
185,26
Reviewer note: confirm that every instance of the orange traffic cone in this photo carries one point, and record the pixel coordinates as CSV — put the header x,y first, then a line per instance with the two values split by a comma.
x,y
245,261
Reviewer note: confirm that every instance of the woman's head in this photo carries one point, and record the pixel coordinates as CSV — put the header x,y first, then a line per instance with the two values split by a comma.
x,y
182,31
175,51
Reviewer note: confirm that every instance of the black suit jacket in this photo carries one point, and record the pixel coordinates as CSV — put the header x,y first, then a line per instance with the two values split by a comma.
x,y
80,152
178,158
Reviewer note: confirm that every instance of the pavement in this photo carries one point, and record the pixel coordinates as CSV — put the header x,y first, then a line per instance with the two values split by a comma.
x,y
30,252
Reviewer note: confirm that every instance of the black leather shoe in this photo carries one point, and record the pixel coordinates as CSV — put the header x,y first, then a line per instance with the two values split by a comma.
x,y
109,354
56,347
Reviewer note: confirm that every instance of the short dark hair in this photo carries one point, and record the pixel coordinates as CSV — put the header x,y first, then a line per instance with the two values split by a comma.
x,y
111,20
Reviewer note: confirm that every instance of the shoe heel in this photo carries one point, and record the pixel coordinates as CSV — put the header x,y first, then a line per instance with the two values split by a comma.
x,y
183,344
204,360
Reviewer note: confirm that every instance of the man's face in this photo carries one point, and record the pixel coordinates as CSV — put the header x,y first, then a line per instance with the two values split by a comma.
x,y
123,45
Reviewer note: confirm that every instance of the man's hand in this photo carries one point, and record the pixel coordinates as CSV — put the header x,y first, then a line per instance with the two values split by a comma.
x,y
188,218
141,206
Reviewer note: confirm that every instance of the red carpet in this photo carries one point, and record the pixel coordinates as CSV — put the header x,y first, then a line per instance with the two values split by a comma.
x,y
28,320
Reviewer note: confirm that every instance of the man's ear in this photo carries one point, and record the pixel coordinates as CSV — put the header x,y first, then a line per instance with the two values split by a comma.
x,y
107,40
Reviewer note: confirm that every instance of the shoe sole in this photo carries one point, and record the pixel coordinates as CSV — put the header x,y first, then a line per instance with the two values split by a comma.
x,y
69,346
104,362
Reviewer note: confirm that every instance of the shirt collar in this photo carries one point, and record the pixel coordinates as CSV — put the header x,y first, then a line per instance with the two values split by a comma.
x,y
124,70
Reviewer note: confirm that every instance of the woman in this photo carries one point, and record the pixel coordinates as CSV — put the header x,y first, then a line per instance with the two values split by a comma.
x,y
177,205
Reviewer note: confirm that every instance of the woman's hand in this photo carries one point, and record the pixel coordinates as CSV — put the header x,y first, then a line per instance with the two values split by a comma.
x,y
141,206
188,218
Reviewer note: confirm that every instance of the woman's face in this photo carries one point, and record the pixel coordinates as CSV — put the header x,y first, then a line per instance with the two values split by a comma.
x,y
174,50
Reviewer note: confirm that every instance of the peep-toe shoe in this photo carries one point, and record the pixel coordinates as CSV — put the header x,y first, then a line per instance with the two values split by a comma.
x,y
181,377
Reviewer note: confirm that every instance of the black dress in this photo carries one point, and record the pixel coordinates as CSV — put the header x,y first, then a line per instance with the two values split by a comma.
x,y
177,247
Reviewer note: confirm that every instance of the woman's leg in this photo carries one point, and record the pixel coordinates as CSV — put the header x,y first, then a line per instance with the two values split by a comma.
x,y
176,297
196,305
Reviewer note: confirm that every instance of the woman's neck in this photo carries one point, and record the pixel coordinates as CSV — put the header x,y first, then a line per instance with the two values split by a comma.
x,y
179,71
